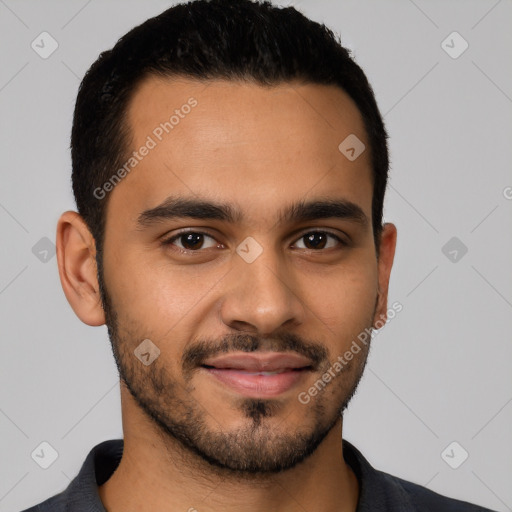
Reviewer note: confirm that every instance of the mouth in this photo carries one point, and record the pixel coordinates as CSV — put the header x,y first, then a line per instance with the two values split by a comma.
x,y
259,375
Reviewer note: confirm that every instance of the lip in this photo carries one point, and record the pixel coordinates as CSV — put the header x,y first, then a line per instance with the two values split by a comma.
x,y
263,361
256,384
247,373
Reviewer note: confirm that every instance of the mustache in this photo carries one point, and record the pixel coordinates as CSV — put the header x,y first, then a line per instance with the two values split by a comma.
x,y
195,354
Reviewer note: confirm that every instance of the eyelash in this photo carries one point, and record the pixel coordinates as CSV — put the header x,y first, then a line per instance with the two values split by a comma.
x,y
169,241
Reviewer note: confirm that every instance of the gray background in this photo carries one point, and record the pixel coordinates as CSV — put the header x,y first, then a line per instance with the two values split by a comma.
x,y
439,372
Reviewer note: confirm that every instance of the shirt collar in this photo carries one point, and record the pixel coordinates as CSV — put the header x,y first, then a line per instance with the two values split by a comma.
x,y
375,487
378,491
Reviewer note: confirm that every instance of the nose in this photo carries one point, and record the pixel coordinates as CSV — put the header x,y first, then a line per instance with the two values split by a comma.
x,y
262,296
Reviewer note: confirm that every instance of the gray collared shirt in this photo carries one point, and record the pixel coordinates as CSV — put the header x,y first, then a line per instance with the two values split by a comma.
x,y
378,491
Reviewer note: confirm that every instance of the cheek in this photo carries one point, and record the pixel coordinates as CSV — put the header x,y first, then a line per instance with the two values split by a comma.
x,y
344,302
157,298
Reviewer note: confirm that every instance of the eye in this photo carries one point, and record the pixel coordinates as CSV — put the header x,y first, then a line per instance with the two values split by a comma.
x,y
191,241
317,240
194,241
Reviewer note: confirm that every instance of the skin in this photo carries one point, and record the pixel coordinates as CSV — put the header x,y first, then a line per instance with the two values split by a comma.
x,y
258,149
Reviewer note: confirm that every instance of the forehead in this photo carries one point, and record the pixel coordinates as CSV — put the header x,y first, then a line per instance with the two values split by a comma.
x,y
243,143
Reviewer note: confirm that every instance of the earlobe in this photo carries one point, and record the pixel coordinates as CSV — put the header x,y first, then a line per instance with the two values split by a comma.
x,y
76,256
385,263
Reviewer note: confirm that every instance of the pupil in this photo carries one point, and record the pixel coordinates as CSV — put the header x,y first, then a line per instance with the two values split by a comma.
x,y
195,240
192,240
311,240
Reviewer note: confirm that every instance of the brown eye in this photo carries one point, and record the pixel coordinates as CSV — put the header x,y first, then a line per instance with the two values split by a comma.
x,y
190,241
317,240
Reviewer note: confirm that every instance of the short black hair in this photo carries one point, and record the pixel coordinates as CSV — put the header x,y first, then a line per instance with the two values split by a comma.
x,y
238,40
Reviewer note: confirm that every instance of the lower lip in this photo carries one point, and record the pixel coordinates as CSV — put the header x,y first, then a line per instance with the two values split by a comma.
x,y
257,386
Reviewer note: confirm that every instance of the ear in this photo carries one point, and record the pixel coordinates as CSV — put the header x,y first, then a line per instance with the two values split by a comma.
x,y
76,257
387,246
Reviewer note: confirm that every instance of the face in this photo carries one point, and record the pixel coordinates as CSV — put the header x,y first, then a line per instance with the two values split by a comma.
x,y
241,245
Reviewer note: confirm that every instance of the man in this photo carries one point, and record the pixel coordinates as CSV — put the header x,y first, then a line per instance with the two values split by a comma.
x,y
229,169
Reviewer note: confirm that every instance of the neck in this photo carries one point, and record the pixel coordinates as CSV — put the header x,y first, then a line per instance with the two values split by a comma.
x,y
158,473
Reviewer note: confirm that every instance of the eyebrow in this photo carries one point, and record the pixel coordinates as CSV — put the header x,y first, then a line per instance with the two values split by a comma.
x,y
182,207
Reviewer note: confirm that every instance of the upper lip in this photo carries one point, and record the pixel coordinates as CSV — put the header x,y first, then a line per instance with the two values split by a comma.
x,y
269,361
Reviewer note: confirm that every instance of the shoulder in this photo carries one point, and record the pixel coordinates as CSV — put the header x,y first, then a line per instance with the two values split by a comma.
x,y
384,492
425,500
82,495
56,503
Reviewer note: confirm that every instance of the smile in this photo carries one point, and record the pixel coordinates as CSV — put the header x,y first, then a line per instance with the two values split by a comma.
x,y
259,383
